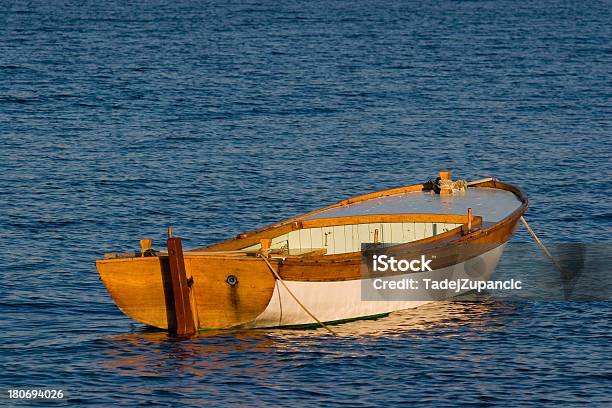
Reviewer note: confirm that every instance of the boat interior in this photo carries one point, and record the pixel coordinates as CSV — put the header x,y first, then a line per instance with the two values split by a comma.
x,y
385,220
341,236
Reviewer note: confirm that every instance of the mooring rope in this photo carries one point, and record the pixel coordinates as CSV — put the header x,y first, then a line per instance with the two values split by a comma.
x,y
293,296
541,244
454,186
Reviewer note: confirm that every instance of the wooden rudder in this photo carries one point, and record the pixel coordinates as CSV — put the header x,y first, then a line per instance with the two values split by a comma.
x,y
185,325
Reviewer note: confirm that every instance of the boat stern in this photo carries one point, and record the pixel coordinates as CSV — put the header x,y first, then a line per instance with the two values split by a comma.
x,y
141,288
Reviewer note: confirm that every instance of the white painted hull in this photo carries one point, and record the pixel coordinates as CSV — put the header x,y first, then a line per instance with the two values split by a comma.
x,y
342,300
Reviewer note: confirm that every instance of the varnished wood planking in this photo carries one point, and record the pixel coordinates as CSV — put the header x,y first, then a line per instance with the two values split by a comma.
x,y
141,288
382,218
221,305
378,194
307,272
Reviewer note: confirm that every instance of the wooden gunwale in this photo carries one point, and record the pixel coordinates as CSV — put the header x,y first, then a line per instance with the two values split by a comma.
x,y
252,237
370,218
445,247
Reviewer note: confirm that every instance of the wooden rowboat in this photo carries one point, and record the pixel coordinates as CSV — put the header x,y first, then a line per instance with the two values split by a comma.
x,y
283,274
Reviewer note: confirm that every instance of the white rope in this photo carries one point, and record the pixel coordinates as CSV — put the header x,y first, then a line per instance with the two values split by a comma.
x,y
293,296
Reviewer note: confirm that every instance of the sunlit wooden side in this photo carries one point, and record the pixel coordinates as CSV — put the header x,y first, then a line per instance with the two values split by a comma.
x,y
141,289
137,287
220,305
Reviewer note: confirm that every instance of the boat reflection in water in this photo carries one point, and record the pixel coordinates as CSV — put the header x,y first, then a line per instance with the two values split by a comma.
x,y
259,353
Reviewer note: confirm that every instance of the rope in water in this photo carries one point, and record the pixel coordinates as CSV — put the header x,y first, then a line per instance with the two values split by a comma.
x,y
541,244
293,296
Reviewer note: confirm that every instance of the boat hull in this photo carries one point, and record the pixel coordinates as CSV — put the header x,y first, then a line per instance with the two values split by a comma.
x,y
230,285
344,300
141,289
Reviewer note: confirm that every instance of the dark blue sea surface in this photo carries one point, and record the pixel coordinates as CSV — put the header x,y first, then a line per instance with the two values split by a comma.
x,y
118,119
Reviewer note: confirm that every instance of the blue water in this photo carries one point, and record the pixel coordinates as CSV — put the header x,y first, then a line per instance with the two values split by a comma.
x,y
117,120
